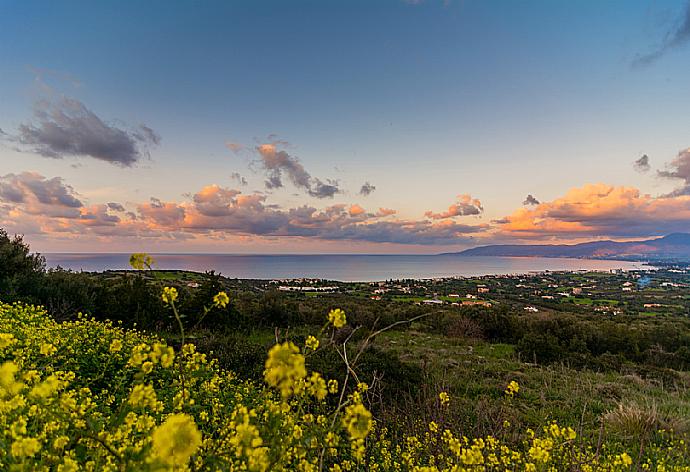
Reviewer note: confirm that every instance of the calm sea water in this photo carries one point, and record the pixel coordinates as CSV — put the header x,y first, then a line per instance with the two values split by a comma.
x,y
346,268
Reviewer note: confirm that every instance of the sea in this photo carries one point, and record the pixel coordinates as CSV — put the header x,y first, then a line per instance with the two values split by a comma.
x,y
344,268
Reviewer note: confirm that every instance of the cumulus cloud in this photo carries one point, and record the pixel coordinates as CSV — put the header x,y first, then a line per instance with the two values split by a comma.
x,y
679,168
465,206
279,164
599,210
676,37
33,204
366,189
530,200
38,195
67,128
162,214
642,164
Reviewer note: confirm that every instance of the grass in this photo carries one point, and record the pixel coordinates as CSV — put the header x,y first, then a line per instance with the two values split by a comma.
x,y
476,373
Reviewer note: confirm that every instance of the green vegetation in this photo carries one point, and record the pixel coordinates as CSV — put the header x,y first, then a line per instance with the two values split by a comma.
x,y
617,385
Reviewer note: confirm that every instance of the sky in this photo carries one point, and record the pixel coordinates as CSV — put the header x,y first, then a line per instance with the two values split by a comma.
x,y
384,126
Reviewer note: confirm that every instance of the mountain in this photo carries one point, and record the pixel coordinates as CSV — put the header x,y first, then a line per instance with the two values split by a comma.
x,y
671,247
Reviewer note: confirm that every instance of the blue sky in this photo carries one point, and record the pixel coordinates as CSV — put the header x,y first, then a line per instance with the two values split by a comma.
x,y
425,100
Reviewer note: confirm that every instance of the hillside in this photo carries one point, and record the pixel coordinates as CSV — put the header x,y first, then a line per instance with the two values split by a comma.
x,y
671,247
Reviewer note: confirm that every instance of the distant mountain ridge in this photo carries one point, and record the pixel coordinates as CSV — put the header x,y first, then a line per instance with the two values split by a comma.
x,y
674,246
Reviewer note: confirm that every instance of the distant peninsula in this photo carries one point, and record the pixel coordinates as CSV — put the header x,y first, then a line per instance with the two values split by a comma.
x,y
673,247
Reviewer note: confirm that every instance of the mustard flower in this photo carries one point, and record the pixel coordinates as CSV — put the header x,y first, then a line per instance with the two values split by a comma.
x,y
444,398
512,388
337,318
169,295
8,383
48,349
176,440
6,340
312,343
115,346
46,388
357,421
317,386
221,299
285,368
25,447
147,367
626,459
143,396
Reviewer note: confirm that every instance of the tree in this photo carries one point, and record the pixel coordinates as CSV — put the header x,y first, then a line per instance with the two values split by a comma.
x,y
20,271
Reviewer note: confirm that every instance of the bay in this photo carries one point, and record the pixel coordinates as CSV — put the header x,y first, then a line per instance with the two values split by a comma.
x,y
345,268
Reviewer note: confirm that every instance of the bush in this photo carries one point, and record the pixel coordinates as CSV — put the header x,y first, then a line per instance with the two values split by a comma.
x,y
20,271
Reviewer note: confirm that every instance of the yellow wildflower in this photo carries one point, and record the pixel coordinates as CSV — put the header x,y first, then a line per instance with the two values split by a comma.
x,y
512,388
48,349
143,396
46,388
25,447
176,440
7,381
317,386
312,343
357,421
115,346
221,299
285,368
337,318
445,398
169,295
6,340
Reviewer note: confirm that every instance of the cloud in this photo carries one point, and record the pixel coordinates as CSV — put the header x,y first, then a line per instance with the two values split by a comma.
x,y
278,164
234,147
366,189
38,195
642,164
675,38
67,128
530,200
383,212
237,177
599,210
217,210
466,205
116,206
356,210
32,203
324,190
679,168
162,214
